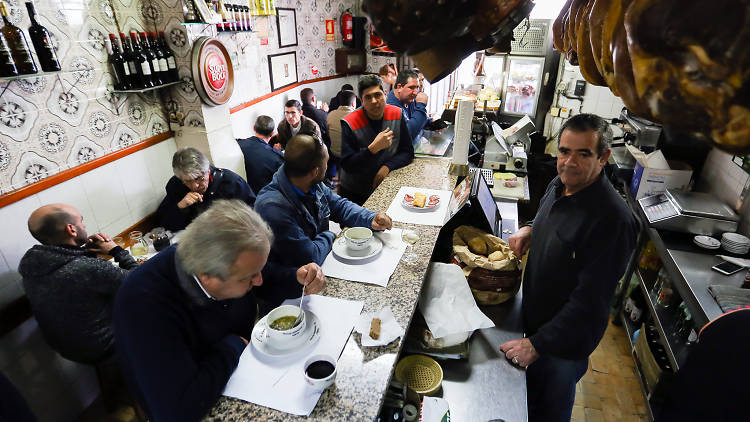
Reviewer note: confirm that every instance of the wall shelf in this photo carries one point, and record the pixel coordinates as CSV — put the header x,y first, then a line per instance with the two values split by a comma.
x,y
153,88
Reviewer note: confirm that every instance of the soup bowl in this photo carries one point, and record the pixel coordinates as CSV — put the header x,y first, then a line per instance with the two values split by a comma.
x,y
282,336
357,238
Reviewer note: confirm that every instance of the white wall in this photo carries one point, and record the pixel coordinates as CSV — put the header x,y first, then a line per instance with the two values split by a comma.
x,y
242,121
111,198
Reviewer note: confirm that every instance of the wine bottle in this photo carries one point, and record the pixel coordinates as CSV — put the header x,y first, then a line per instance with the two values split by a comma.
x,y
39,35
152,59
169,55
120,70
142,62
134,78
189,12
19,48
159,53
248,26
7,66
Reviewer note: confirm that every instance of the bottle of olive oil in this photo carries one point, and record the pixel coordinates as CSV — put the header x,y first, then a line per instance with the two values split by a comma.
x,y
19,48
45,52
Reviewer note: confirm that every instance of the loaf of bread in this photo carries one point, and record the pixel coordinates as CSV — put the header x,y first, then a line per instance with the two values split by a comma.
x,y
478,245
375,328
420,199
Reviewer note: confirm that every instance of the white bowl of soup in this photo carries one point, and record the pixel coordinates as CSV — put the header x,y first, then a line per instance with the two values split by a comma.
x,y
281,328
357,238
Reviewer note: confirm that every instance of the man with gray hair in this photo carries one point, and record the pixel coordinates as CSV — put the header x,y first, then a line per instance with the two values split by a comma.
x,y
195,185
184,317
261,160
579,244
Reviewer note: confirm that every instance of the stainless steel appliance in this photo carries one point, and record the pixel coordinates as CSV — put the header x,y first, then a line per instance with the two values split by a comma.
x,y
640,132
690,212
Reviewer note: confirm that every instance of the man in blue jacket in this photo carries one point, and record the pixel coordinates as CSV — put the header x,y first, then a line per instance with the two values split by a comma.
x,y
579,244
183,318
261,160
407,95
298,206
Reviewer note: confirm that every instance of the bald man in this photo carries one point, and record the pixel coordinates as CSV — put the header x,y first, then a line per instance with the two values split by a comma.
x,y
297,206
71,290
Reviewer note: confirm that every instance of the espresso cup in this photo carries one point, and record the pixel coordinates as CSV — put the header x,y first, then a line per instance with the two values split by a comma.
x,y
320,372
357,238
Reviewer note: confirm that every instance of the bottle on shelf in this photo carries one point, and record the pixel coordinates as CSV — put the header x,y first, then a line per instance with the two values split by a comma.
x,y
142,63
135,79
665,293
153,59
169,55
189,12
223,13
7,65
19,48
120,70
248,18
236,23
40,38
159,53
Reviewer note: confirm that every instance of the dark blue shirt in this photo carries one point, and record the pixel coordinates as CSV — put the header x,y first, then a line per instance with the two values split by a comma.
x,y
580,246
261,161
415,114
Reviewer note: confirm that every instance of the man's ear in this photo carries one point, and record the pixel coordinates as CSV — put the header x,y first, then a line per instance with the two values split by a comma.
x,y
71,230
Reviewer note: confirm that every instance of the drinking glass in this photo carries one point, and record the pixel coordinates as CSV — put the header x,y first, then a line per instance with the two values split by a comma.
x,y
411,238
119,241
138,243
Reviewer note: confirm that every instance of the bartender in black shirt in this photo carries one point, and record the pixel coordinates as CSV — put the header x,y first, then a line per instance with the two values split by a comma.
x,y
579,244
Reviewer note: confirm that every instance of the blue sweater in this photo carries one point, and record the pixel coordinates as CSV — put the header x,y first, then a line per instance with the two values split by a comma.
x,y
177,348
261,161
415,114
301,236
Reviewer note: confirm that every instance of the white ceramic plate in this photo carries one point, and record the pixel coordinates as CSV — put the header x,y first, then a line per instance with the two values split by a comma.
x,y
261,342
408,205
345,254
707,242
735,239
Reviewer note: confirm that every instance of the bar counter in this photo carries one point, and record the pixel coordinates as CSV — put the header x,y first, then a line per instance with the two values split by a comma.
x,y
364,373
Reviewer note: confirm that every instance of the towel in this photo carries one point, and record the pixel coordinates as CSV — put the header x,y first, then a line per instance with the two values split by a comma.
x,y
729,297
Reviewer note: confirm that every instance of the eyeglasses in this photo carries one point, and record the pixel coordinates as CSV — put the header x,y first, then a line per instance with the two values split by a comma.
x,y
197,180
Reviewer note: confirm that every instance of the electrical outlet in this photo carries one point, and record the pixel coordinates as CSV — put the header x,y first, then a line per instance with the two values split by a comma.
x,y
554,111
564,112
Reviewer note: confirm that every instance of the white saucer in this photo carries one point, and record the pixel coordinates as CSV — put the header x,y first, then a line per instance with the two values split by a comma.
x,y
344,253
706,242
261,342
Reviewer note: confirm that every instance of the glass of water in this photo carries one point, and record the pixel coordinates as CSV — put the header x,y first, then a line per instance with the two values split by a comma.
x,y
411,238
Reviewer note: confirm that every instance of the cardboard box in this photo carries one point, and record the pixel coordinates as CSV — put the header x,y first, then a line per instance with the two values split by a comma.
x,y
653,174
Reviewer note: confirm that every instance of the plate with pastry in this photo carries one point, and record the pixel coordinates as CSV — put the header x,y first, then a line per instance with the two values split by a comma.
x,y
419,201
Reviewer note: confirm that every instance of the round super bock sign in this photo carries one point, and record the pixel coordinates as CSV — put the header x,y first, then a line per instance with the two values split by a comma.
x,y
213,75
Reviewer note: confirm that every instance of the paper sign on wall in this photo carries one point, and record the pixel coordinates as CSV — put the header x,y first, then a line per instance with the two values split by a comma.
x,y
330,30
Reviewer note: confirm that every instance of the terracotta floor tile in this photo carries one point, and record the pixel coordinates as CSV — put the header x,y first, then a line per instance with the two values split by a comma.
x,y
578,414
594,415
592,401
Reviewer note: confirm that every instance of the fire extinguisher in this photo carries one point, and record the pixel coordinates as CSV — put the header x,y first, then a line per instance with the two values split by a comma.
x,y
347,28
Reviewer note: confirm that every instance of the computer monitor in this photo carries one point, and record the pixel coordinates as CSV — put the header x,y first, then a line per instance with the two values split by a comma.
x,y
482,196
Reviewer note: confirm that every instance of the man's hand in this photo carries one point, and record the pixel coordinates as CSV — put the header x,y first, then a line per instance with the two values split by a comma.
x,y
100,243
277,146
244,339
311,276
382,141
422,98
520,241
324,107
521,352
382,221
380,176
190,199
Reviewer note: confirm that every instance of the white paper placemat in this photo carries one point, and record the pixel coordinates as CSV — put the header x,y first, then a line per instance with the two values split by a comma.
x,y
279,383
428,218
378,271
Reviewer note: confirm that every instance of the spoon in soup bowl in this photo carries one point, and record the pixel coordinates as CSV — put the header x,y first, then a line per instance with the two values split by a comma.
x,y
299,317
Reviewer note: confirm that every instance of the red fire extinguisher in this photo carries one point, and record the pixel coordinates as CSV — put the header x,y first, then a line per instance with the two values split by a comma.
x,y
347,29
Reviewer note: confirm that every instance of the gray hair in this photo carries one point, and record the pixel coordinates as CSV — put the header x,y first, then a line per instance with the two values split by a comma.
x,y
589,122
211,243
190,162
404,76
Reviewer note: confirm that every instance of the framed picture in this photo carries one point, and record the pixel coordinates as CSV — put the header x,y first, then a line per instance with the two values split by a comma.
x,y
286,22
283,69
207,14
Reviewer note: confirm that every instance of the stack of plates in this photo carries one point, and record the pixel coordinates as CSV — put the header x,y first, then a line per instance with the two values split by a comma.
x,y
706,242
735,243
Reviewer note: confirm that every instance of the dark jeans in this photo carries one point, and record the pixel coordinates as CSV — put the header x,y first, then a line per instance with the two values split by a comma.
x,y
551,388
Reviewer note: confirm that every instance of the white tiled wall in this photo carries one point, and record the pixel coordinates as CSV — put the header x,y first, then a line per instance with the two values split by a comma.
x,y
724,179
111,198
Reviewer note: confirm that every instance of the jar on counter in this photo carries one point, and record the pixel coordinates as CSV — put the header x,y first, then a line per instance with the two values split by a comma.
x,y
665,292
138,246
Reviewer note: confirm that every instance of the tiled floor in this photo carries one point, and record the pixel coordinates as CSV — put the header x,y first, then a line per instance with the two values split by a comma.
x,y
609,391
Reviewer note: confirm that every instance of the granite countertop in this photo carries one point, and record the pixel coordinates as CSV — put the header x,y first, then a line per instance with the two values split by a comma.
x,y
364,373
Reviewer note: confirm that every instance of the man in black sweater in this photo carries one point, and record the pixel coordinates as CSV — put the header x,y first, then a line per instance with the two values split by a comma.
x,y
261,160
579,244
183,318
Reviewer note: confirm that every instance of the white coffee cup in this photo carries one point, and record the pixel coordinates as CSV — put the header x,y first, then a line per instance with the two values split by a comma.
x,y
319,376
283,338
357,238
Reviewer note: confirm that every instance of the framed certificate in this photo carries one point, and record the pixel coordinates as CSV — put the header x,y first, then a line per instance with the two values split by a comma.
x,y
286,22
208,14
282,68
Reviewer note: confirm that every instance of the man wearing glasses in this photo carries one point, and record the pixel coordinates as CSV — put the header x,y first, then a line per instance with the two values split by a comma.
x,y
195,185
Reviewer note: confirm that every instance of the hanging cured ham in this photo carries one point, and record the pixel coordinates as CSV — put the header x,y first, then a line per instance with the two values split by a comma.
x,y
684,64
